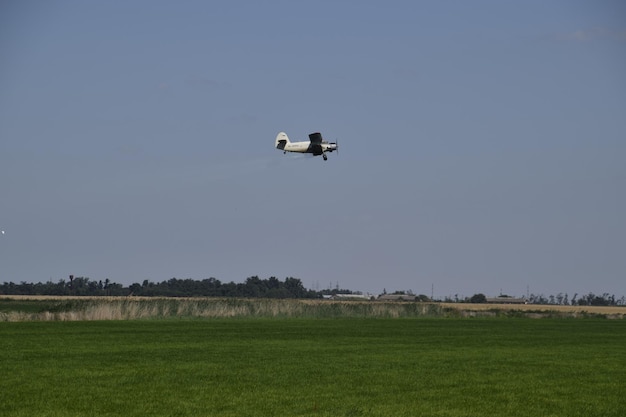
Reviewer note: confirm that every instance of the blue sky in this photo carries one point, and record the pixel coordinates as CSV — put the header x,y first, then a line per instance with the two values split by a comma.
x,y
482,144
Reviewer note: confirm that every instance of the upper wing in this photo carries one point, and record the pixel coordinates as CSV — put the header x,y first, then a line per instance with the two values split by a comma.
x,y
315,138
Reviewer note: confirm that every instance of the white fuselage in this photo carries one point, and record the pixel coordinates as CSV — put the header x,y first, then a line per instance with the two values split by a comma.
x,y
305,147
316,145
301,147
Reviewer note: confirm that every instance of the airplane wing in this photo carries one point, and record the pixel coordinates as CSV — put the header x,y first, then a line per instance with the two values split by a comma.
x,y
315,138
316,143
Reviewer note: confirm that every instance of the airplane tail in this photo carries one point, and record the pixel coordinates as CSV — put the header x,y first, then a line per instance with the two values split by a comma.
x,y
281,140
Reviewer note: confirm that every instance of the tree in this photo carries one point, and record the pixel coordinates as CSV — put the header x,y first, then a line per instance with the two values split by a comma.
x,y
135,289
295,287
478,298
559,298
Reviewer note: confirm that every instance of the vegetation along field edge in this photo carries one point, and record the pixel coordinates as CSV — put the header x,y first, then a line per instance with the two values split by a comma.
x,y
54,308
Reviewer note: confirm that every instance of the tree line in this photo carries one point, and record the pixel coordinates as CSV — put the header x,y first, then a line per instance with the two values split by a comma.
x,y
252,287
211,287
590,299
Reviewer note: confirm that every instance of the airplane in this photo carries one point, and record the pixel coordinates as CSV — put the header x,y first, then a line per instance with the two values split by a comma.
x,y
316,145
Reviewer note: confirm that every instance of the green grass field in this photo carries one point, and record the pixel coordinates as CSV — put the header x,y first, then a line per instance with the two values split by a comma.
x,y
314,367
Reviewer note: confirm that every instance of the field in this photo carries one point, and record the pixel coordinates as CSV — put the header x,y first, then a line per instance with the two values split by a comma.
x,y
314,367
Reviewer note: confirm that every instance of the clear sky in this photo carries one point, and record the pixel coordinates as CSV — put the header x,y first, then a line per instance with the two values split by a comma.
x,y
482,144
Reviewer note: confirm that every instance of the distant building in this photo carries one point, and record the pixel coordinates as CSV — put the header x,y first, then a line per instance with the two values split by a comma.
x,y
506,300
397,297
350,297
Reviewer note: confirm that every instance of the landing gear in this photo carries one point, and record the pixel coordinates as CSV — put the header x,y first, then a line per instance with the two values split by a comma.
x,y
324,156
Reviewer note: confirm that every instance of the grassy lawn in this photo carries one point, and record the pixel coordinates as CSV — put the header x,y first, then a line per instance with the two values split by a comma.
x,y
314,367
